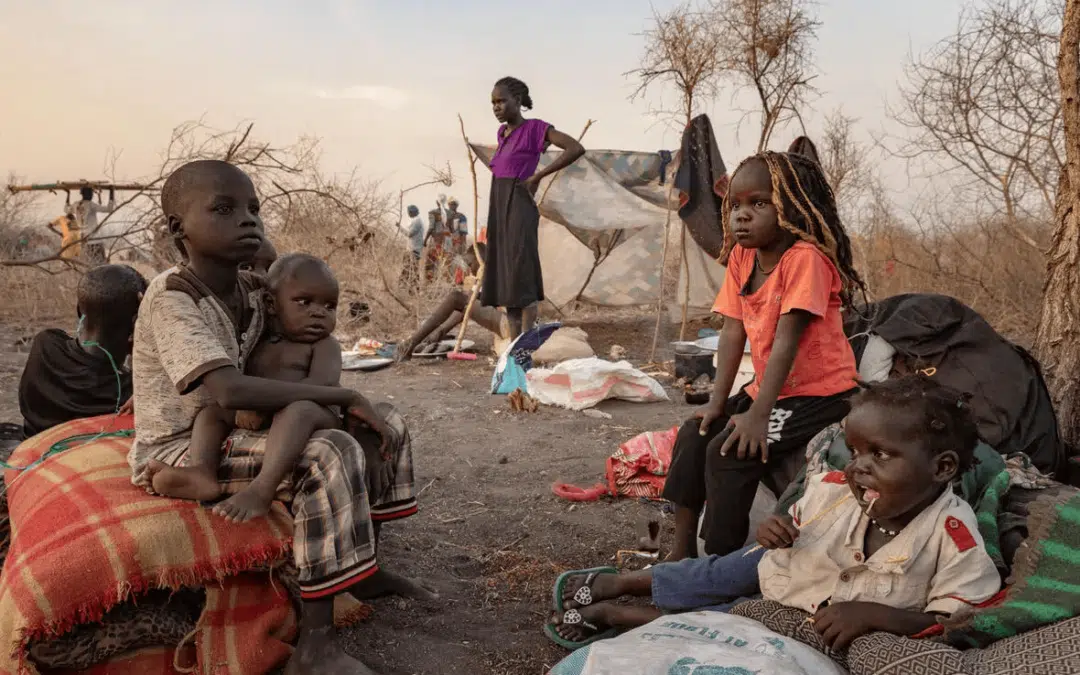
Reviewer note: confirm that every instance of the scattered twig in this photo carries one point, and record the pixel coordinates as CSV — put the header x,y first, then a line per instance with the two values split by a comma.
x,y
505,548
424,489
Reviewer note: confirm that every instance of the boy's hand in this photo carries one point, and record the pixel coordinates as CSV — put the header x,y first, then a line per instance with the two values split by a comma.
x,y
777,532
532,184
750,434
361,409
128,408
709,413
379,473
840,623
250,420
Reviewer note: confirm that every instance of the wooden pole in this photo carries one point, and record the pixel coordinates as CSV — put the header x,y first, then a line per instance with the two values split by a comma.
x,y
78,185
471,158
663,270
686,285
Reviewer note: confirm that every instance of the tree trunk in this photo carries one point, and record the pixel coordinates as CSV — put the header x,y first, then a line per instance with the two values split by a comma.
x,y
1057,343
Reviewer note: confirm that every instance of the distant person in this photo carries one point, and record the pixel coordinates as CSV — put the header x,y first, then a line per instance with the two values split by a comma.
x,y
415,234
410,274
512,276
70,377
437,241
458,226
85,212
70,237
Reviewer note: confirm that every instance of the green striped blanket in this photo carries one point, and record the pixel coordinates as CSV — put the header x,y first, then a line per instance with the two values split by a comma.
x,y
1045,574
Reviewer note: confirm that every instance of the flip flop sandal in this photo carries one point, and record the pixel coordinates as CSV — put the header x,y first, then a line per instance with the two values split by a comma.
x,y
572,617
584,595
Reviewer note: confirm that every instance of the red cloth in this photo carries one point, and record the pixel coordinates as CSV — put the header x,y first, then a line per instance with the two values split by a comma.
x,y
639,467
84,539
805,279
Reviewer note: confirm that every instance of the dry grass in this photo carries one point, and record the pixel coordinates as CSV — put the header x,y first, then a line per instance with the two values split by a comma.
x,y
984,264
34,297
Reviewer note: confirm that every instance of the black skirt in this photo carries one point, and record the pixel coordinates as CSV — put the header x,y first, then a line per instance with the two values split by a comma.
x,y
512,276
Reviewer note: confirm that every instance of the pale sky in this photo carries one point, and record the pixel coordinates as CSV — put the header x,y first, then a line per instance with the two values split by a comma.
x,y
380,83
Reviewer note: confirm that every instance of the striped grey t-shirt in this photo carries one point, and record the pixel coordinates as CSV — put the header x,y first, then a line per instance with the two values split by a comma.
x,y
183,332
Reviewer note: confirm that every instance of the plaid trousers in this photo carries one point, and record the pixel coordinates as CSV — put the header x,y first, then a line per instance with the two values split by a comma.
x,y
327,493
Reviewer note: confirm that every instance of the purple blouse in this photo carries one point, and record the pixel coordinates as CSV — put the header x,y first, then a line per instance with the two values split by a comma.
x,y
518,154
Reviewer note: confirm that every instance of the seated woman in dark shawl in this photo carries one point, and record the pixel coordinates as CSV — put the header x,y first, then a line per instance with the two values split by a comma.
x,y
70,377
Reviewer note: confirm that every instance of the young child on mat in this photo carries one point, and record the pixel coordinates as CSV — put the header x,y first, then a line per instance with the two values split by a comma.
x,y
884,545
69,377
302,298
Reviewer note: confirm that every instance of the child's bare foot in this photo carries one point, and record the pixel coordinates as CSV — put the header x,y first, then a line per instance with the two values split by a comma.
x,y
384,583
318,652
250,503
188,482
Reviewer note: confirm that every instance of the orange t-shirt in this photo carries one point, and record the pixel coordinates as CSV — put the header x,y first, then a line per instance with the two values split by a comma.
x,y
805,279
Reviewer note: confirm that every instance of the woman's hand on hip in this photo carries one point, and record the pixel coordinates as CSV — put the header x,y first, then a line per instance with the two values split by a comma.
x,y
532,184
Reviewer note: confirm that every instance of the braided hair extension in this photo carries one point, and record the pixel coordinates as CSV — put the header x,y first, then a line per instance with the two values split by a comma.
x,y
943,413
806,207
518,90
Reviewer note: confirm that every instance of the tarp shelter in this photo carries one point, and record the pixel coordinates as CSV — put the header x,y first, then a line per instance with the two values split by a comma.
x,y
607,211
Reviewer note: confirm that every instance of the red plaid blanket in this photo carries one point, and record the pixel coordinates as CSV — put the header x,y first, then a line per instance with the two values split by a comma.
x,y
84,539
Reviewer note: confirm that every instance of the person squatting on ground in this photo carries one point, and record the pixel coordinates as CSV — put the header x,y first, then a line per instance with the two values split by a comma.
x,y
449,315
789,271
197,329
512,275
69,377
302,298
885,545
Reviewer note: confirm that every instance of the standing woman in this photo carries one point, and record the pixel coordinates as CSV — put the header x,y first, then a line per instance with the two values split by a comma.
x,y
512,277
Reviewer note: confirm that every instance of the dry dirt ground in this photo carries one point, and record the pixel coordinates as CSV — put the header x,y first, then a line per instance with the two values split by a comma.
x,y
490,536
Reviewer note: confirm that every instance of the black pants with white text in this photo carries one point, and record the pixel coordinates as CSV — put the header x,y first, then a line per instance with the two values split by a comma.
x,y
725,485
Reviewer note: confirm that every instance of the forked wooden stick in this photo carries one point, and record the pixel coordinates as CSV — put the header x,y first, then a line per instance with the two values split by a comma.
x,y
471,158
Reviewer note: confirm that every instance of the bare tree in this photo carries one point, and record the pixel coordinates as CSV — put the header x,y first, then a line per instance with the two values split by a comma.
x,y
767,46
682,49
844,159
984,101
1057,343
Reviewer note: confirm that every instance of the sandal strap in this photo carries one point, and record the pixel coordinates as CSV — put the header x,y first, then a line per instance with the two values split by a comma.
x,y
584,596
572,617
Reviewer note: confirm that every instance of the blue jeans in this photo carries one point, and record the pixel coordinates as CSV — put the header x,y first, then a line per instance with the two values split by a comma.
x,y
715,582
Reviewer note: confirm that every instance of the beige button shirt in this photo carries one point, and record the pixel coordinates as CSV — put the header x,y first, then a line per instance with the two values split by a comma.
x,y
937,564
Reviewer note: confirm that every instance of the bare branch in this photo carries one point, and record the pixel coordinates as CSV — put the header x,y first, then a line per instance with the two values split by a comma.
x,y
767,47
984,102
682,50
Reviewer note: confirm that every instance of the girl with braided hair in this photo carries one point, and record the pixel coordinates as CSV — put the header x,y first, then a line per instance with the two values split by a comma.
x,y
789,272
512,276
